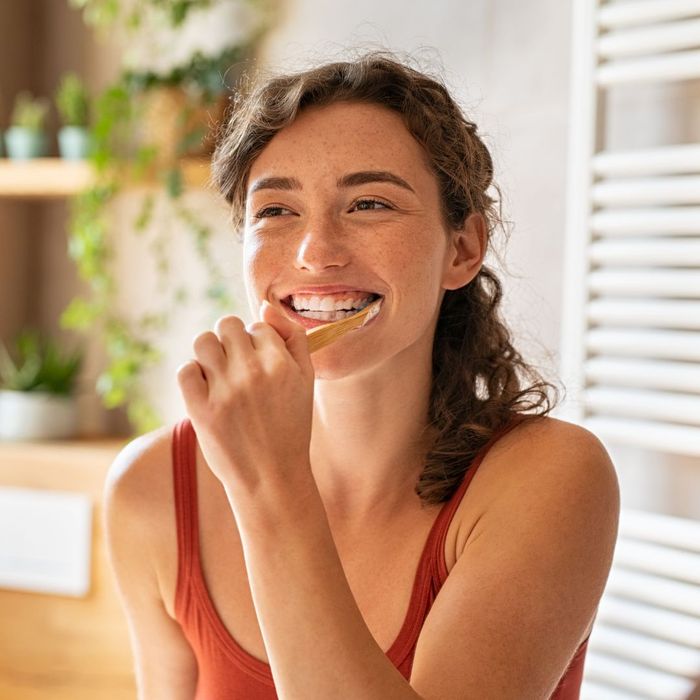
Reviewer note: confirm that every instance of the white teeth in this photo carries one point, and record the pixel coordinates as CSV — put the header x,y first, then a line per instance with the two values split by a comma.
x,y
326,315
327,303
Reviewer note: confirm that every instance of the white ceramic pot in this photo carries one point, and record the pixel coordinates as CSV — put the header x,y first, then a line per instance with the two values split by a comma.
x,y
22,143
74,142
35,415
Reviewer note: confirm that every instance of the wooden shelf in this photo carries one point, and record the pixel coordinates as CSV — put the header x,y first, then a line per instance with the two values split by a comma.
x,y
61,647
50,178
84,445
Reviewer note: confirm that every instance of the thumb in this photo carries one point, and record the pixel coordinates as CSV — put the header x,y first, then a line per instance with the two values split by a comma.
x,y
293,334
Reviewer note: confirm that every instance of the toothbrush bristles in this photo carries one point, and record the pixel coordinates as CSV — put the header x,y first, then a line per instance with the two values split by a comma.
x,y
324,335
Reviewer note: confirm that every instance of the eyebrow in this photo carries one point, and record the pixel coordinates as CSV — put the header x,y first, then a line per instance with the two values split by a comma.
x,y
365,177
276,183
362,177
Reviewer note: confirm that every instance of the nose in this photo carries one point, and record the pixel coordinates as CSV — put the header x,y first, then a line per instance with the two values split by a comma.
x,y
321,246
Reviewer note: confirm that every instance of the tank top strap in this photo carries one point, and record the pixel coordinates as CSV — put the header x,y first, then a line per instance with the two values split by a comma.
x,y
444,518
184,459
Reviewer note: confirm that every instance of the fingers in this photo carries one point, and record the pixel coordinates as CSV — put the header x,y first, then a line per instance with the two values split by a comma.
x,y
209,354
239,340
193,384
231,347
264,336
231,334
292,334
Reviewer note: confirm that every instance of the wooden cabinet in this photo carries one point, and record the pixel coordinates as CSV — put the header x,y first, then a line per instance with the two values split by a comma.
x,y
57,647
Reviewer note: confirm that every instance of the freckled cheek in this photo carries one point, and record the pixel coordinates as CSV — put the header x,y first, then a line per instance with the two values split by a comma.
x,y
417,279
261,266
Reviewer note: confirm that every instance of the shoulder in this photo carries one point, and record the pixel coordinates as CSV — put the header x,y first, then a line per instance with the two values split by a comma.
x,y
547,467
138,470
545,448
138,494
523,595
550,470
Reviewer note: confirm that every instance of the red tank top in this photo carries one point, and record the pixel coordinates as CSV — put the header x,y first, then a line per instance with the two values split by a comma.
x,y
226,670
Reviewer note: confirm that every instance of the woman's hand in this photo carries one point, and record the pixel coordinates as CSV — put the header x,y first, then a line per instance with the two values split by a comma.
x,y
249,395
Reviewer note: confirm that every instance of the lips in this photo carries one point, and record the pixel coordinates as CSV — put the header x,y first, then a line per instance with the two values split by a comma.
x,y
339,296
314,323
336,291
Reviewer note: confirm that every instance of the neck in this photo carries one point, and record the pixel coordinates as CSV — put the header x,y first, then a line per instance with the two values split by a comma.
x,y
368,440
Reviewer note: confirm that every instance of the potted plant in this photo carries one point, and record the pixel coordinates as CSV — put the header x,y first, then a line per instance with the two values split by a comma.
x,y
37,389
26,138
73,105
176,80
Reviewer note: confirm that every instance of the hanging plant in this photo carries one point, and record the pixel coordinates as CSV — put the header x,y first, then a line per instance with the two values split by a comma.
x,y
126,152
105,13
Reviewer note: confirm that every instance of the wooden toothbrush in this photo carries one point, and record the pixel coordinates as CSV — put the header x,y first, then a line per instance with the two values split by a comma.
x,y
321,336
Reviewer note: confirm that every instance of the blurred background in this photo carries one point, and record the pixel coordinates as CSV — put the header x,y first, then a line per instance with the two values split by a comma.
x,y
115,252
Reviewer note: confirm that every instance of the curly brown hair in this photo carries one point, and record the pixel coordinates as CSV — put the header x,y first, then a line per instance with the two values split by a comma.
x,y
479,380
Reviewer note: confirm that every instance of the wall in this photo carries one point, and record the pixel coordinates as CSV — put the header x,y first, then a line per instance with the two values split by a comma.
x,y
497,58
16,72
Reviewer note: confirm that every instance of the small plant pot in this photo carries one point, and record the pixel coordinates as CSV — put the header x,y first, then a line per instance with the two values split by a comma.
x,y
74,142
171,116
22,143
35,415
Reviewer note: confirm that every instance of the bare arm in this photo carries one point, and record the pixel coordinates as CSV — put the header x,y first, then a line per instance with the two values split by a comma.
x,y
507,621
165,665
516,605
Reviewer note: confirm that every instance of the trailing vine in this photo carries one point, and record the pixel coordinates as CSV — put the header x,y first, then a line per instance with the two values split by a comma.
x,y
120,155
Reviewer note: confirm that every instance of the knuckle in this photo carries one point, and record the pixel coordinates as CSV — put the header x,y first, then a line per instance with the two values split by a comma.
x,y
254,372
185,368
203,339
225,322
258,326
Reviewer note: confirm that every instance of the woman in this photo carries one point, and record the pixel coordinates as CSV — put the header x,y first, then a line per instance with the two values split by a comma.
x,y
303,533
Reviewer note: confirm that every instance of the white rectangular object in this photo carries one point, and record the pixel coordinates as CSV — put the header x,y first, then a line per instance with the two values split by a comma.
x,y
45,541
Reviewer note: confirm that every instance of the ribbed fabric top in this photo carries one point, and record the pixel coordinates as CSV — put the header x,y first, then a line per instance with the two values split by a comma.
x,y
226,670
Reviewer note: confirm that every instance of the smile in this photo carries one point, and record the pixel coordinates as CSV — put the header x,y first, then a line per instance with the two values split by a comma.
x,y
314,311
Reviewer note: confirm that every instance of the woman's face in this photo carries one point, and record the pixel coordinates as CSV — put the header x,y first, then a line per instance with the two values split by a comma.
x,y
344,197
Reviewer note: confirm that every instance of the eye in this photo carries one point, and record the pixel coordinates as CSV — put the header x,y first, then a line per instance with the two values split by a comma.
x,y
270,212
369,204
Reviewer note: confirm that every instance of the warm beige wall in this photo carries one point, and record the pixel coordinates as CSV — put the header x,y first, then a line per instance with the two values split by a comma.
x,y
18,66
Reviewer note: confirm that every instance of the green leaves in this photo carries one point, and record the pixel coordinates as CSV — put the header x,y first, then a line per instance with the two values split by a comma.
x,y
203,76
80,314
39,365
73,101
126,151
112,128
87,241
30,112
105,13
129,356
172,178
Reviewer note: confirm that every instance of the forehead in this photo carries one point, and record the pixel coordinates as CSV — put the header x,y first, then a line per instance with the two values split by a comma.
x,y
341,137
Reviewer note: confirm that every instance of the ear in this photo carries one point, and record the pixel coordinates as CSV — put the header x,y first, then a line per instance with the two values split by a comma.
x,y
465,252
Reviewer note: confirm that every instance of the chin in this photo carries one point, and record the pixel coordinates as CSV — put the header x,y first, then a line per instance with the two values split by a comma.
x,y
337,367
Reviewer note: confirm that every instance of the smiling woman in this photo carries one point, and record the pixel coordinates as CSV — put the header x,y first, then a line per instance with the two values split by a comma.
x,y
324,546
